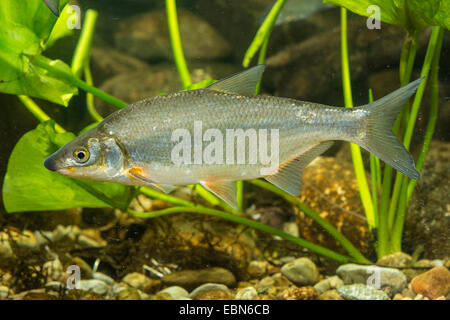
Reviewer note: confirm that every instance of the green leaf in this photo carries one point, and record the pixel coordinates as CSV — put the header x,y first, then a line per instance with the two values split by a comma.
x,y
24,32
29,186
430,12
411,14
60,29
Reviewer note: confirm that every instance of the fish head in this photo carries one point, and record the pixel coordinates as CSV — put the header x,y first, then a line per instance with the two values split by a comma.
x,y
90,156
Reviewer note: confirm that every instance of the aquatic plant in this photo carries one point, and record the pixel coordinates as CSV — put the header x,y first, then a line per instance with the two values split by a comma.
x,y
26,72
386,214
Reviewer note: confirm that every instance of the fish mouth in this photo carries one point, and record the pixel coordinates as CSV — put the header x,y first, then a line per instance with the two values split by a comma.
x,y
50,164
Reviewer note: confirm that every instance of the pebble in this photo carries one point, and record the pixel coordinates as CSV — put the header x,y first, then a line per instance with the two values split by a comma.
x,y
360,291
248,293
301,271
103,277
398,259
257,269
138,280
128,294
433,283
55,286
190,279
208,287
437,263
94,285
4,292
53,270
296,293
333,282
176,292
214,295
394,279
330,295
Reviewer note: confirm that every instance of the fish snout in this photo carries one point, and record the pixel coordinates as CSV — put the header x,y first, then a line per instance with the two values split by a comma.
x,y
50,163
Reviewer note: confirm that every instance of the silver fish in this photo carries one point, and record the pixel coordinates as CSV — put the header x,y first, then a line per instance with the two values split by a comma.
x,y
159,141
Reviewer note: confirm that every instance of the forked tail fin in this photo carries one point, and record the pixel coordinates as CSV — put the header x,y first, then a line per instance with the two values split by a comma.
x,y
379,138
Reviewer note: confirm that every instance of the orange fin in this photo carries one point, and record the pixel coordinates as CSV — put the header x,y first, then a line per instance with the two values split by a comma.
x,y
139,174
289,175
225,190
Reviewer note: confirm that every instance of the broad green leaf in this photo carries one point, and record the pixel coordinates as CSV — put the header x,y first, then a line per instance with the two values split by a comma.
x,y
411,14
29,186
430,12
61,29
24,30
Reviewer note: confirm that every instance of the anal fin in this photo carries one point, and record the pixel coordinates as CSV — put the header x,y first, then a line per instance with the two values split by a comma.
x,y
225,190
289,175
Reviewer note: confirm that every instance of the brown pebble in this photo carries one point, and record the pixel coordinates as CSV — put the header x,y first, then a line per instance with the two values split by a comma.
x,y
296,293
433,283
214,295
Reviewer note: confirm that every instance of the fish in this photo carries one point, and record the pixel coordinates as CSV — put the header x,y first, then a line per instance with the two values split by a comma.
x,y
53,5
211,136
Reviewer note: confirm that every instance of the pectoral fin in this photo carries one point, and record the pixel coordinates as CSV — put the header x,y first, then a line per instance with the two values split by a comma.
x,y
225,190
139,174
289,175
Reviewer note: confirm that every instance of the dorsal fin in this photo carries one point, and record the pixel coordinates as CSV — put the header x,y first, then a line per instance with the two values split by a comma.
x,y
289,175
243,82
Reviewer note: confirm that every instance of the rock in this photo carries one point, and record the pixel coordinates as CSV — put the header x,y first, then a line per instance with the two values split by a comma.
x,y
424,263
398,259
427,222
248,293
437,263
146,36
128,294
162,296
53,270
103,277
301,271
373,276
296,293
330,295
190,279
214,295
4,292
360,291
107,62
433,283
96,286
176,292
257,269
208,287
138,280
333,282
86,270
55,286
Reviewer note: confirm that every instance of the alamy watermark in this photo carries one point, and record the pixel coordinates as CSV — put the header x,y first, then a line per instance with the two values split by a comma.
x,y
373,21
229,146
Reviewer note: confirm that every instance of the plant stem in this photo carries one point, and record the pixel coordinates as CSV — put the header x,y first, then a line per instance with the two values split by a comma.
x,y
164,197
434,88
89,97
38,112
263,32
386,211
250,223
397,230
70,78
177,48
83,47
355,150
345,243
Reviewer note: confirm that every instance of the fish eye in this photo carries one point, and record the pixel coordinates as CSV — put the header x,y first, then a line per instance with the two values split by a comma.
x,y
81,155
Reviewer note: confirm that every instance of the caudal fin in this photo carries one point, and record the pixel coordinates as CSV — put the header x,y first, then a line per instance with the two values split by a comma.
x,y
380,140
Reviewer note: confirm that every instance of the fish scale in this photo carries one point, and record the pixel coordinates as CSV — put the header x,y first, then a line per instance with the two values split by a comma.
x,y
135,143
